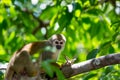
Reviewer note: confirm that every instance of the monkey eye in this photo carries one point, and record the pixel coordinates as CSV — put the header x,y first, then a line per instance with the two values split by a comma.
x,y
56,42
61,42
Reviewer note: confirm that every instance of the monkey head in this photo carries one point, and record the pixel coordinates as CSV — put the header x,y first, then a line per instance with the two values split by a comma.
x,y
58,41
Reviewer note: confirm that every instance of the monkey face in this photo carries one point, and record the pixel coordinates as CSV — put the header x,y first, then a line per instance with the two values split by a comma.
x,y
58,41
59,44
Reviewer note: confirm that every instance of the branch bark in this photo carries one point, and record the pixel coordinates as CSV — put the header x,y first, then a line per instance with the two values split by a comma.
x,y
91,64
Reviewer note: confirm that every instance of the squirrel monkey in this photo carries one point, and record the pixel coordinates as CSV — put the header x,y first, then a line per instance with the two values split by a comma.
x,y
21,62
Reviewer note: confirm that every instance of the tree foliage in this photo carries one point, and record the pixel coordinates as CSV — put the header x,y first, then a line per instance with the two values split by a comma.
x,y
92,29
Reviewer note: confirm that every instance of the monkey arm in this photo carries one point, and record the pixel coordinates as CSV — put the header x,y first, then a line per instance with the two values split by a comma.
x,y
35,47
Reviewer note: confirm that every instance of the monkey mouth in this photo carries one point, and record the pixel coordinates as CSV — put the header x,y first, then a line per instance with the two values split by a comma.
x,y
58,46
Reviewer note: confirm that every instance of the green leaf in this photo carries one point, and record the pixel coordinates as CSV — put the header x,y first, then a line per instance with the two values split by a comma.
x,y
88,76
52,11
68,1
86,20
1,75
47,67
95,11
60,75
10,38
109,69
115,35
92,54
95,29
92,2
111,49
65,18
4,24
104,48
119,45
30,38
77,6
105,44
13,1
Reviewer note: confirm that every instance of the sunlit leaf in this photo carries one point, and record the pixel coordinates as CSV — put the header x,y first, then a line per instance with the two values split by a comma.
x,y
1,18
30,38
52,11
11,36
2,51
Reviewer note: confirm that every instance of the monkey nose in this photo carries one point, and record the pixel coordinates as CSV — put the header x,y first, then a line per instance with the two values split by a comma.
x,y
58,46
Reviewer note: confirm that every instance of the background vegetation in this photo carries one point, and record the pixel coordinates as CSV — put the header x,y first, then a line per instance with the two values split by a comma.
x,y
92,29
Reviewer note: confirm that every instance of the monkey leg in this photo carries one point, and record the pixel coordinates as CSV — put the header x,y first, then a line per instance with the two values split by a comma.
x,y
29,68
20,64
9,73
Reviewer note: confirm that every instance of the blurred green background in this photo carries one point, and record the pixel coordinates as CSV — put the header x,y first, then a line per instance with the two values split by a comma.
x,y
92,29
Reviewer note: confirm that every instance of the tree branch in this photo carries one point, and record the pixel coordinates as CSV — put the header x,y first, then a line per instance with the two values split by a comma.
x,y
91,64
